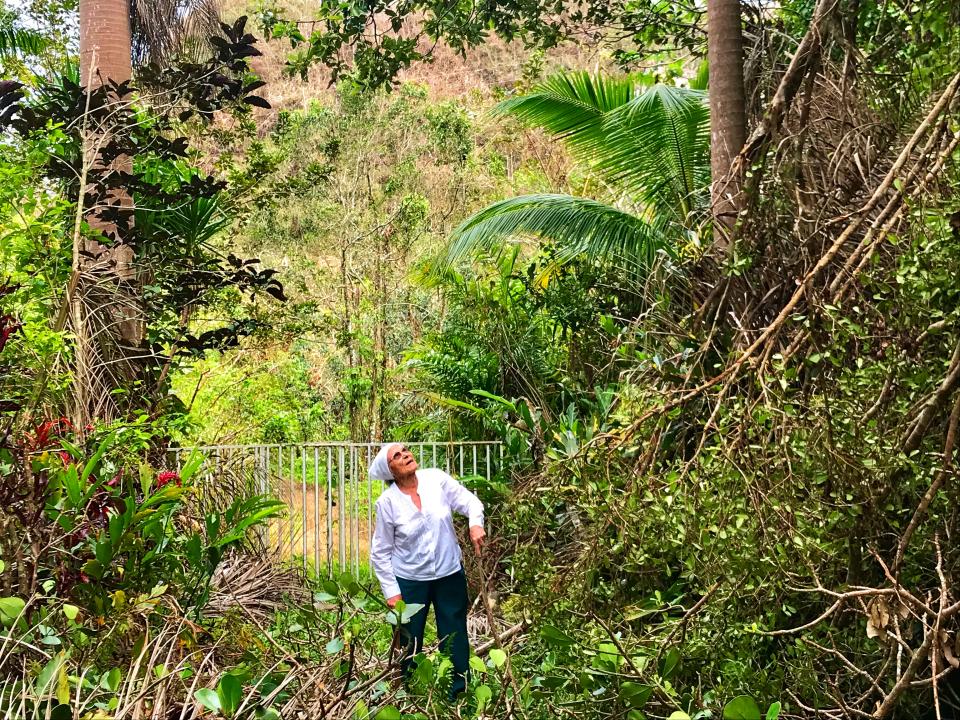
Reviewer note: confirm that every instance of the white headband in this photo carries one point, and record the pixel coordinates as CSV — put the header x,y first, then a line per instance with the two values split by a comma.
x,y
380,469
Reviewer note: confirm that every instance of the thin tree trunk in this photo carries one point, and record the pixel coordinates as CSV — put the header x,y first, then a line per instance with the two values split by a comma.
x,y
728,116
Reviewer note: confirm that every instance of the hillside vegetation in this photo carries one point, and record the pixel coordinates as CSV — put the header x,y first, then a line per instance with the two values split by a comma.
x,y
693,266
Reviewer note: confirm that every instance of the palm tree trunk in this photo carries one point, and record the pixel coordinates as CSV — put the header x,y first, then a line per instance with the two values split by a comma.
x,y
728,116
105,42
105,311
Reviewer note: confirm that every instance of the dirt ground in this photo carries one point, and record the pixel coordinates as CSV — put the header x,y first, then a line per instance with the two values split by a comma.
x,y
305,531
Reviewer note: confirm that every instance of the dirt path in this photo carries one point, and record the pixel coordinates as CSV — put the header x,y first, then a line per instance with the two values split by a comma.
x,y
306,530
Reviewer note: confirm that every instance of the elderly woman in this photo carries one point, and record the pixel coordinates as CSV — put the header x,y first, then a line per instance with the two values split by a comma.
x,y
416,556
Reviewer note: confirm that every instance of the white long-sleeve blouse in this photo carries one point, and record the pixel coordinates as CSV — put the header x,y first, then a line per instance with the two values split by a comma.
x,y
420,544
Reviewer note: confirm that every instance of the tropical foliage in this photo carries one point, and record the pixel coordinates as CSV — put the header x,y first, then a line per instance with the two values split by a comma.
x,y
727,485
647,149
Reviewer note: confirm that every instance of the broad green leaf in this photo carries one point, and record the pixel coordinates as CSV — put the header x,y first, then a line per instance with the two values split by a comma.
x,y
388,713
103,552
483,694
496,398
678,715
669,663
208,698
10,609
95,459
146,478
742,707
498,657
93,568
634,694
48,674
554,636
410,610
71,483
230,692
334,646
773,712
476,664
111,680
71,611
63,685
194,462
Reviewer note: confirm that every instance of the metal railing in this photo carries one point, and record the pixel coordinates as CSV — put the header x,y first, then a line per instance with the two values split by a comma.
x,y
329,497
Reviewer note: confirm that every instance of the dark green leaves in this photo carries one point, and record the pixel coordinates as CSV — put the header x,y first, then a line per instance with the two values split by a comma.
x,y
555,636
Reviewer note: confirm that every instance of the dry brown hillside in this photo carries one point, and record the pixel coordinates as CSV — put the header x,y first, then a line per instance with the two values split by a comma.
x,y
494,65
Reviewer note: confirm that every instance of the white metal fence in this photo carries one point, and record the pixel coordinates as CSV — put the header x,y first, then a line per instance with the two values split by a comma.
x,y
330,498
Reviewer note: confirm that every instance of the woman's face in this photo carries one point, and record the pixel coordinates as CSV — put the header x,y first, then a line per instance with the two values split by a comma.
x,y
401,461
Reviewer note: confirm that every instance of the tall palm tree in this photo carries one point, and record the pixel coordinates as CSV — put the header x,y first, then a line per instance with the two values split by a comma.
x,y
120,34
105,41
649,144
115,34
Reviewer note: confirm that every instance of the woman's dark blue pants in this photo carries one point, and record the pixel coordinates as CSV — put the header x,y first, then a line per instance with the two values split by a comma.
x,y
448,595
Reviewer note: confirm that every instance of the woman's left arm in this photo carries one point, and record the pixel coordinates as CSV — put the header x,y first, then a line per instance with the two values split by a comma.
x,y
466,503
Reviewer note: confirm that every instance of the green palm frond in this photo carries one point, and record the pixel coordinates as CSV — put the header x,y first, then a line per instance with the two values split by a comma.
x,y
652,141
17,41
576,225
659,148
572,107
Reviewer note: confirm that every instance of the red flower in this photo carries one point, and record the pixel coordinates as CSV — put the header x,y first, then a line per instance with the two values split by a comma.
x,y
8,326
165,477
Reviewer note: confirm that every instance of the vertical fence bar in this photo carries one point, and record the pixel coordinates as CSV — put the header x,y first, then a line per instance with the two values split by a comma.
x,y
369,499
474,447
486,450
290,475
355,489
316,511
341,496
257,474
460,448
303,502
267,484
329,512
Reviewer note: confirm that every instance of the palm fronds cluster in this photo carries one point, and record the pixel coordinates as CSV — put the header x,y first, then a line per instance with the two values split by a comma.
x,y
647,146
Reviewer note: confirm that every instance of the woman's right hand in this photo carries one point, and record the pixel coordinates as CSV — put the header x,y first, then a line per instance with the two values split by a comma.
x,y
391,602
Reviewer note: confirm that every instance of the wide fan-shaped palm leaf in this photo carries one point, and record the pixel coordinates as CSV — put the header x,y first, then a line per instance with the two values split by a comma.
x,y
576,225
